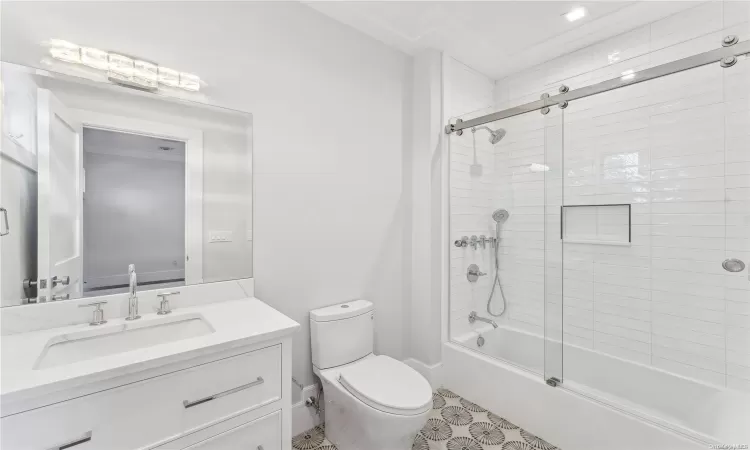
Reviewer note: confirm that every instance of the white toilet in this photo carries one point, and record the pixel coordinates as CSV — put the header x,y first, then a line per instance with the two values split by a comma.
x,y
371,402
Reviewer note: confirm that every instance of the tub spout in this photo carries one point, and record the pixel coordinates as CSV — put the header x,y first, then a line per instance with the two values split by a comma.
x,y
473,317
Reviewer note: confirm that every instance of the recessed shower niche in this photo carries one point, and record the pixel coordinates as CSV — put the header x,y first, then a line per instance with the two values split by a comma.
x,y
596,224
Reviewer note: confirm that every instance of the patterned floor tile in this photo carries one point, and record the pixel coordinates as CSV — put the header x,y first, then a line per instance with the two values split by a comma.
x,y
454,424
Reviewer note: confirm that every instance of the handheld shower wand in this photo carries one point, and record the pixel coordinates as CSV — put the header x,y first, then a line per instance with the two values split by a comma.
x,y
499,216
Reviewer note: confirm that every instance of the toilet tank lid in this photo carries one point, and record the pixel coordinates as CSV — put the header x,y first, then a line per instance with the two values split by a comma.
x,y
341,311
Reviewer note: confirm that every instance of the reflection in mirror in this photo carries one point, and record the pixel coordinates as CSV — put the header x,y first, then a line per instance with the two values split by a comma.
x,y
130,178
95,178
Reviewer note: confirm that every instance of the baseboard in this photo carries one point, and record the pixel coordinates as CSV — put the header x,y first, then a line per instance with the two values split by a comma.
x,y
304,417
433,373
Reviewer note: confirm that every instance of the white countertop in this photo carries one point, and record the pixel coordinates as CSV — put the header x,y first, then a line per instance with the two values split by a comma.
x,y
235,323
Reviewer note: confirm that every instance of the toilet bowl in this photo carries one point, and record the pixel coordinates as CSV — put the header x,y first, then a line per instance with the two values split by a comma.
x,y
376,403
371,402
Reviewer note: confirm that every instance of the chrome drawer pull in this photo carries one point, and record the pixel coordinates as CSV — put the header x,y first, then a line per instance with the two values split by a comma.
x,y
77,441
189,404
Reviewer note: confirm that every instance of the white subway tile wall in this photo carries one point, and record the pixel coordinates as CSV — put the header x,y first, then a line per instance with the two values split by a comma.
x,y
471,196
677,149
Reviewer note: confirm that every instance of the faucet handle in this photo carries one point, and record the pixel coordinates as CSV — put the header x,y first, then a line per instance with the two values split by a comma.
x,y
164,307
98,318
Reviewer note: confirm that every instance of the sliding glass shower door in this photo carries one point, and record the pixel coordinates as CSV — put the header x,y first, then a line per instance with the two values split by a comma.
x,y
656,218
505,274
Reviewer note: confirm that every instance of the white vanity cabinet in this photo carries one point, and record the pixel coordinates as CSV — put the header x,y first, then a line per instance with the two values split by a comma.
x,y
260,434
236,400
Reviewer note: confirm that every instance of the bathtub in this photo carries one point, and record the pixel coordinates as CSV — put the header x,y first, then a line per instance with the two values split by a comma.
x,y
611,400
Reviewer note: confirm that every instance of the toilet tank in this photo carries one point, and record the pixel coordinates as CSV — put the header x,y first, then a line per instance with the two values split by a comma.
x,y
342,333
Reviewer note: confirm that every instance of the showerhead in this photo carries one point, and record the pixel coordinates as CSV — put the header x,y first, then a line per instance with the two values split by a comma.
x,y
495,135
500,215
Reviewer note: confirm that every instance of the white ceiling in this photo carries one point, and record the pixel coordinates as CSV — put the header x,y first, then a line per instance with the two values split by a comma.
x,y
497,38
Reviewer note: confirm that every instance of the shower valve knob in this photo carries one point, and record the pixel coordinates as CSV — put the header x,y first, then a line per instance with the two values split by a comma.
x,y
463,242
473,273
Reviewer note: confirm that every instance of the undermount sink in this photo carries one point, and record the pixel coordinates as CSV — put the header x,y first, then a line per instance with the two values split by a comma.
x,y
112,339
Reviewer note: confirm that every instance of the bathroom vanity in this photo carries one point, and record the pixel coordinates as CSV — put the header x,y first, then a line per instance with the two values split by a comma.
x,y
131,324
209,376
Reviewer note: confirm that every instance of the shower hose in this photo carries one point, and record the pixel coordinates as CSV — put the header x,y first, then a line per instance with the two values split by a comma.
x,y
496,283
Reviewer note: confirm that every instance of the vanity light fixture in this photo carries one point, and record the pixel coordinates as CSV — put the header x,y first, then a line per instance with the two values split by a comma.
x,y
576,13
190,82
65,51
146,74
93,57
123,69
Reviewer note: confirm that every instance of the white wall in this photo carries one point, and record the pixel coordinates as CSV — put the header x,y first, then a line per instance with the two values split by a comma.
x,y
676,149
123,196
331,113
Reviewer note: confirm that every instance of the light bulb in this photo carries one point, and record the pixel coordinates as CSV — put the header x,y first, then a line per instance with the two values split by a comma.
x,y
120,67
169,77
190,82
93,57
65,51
146,74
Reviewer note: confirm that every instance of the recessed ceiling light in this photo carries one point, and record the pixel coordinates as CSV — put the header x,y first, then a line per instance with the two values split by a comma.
x,y
628,75
575,14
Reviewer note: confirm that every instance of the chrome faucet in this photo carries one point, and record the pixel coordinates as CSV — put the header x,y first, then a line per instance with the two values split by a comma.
x,y
473,317
132,294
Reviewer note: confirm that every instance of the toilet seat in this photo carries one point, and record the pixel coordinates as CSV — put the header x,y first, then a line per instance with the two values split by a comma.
x,y
388,385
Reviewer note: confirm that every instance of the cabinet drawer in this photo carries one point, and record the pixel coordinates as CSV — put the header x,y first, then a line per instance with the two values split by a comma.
x,y
260,434
230,386
73,425
159,408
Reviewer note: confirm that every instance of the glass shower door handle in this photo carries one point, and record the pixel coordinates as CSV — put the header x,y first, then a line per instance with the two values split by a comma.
x,y
6,230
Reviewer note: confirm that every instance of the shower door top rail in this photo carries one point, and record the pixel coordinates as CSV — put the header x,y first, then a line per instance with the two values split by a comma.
x,y
726,56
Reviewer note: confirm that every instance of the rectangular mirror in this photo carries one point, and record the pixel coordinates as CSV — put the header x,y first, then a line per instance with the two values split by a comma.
x,y
95,178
